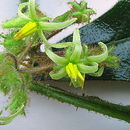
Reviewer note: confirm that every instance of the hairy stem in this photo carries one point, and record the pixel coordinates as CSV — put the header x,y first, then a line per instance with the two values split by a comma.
x,y
91,103
38,69
22,55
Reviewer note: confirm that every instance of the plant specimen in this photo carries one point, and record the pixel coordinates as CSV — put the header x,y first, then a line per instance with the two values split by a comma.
x,y
74,60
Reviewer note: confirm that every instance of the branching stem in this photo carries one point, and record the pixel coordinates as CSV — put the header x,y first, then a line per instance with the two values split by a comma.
x,y
26,50
37,69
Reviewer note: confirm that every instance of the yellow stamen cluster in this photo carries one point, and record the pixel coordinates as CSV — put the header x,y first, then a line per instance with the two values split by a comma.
x,y
28,29
74,73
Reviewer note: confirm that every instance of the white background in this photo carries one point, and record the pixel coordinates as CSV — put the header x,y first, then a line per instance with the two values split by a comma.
x,y
48,114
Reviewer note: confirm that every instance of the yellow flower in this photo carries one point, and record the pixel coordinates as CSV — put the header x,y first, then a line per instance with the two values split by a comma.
x,y
76,62
31,23
28,29
75,75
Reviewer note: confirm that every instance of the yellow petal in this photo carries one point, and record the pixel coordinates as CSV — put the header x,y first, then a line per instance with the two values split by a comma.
x,y
28,29
75,75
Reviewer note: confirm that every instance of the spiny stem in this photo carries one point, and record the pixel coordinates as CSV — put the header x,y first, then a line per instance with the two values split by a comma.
x,y
15,60
91,103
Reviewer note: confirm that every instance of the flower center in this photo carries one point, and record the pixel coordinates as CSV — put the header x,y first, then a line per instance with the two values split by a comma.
x,y
74,74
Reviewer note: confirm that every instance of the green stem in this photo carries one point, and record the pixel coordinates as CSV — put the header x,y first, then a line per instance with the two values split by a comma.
x,y
23,54
90,103
41,35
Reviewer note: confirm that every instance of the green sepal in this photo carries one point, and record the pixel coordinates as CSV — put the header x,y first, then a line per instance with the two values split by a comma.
x,y
68,53
77,50
57,67
15,23
98,73
112,61
56,26
44,18
57,45
61,45
99,58
32,10
55,58
58,74
76,36
22,15
85,52
85,69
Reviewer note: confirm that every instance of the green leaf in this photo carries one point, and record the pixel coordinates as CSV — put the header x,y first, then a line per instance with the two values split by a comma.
x,y
62,18
75,5
83,5
76,14
89,11
11,117
13,46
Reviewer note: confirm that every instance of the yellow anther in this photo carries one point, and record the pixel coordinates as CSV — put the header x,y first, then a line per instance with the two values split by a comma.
x,y
28,29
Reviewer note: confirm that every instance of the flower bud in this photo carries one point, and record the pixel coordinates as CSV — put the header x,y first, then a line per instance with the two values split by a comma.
x,y
28,29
